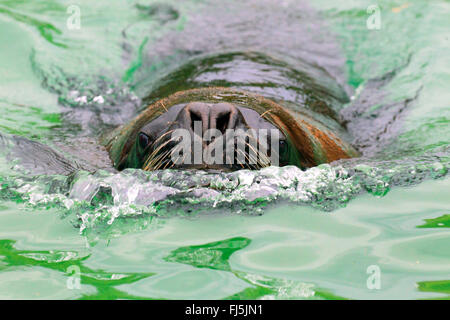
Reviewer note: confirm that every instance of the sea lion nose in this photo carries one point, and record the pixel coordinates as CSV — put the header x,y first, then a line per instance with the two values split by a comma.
x,y
223,116
219,116
194,112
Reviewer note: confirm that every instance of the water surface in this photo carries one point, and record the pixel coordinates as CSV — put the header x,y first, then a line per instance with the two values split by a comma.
x,y
269,234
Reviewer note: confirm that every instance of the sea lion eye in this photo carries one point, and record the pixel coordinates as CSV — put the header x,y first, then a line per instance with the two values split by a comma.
x,y
144,140
282,146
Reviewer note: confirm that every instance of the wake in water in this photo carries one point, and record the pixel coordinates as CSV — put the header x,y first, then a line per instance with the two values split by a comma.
x,y
99,198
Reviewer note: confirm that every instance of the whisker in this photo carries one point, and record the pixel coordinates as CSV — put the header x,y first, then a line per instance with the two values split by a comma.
x,y
254,156
162,103
264,113
242,139
265,160
154,159
166,155
161,161
173,162
248,159
162,136
176,148
150,166
155,152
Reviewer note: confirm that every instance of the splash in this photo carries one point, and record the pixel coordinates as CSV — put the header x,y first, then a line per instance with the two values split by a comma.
x,y
100,199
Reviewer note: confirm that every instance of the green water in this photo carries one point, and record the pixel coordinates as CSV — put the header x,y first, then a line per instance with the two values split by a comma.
x,y
295,250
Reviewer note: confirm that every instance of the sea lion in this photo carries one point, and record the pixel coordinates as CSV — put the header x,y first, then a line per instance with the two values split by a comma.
x,y
303,141
236,91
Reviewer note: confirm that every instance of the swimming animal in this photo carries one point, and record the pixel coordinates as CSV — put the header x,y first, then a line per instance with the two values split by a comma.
x,y
249,124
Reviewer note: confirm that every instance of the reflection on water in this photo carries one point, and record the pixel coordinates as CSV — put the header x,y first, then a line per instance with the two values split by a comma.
x,y
292,253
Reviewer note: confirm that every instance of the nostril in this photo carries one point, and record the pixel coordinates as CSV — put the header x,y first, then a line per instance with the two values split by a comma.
x,y
194,117
222,122
223,117
196,113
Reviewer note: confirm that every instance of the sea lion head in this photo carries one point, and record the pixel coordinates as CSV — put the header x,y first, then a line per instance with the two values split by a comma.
x,y
222,129
197,135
